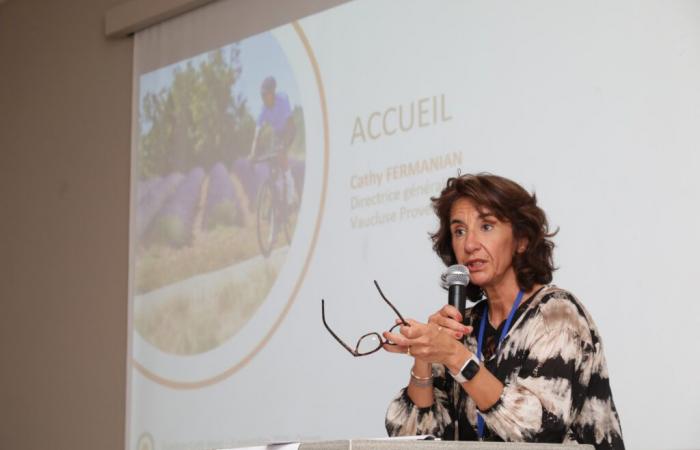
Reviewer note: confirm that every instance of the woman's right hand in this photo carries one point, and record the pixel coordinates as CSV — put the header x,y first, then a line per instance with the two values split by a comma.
x,y
450,319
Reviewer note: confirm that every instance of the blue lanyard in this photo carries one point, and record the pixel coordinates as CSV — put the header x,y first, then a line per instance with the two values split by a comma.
x,y
480,343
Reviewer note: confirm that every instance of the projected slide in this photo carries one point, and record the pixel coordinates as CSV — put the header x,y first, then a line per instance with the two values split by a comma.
x,y
221,159
275,170
237,167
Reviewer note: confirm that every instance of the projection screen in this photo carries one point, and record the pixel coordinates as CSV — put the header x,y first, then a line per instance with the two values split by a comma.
x,y
592,105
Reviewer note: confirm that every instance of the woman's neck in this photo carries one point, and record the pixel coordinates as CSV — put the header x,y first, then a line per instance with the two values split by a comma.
x,y
502,297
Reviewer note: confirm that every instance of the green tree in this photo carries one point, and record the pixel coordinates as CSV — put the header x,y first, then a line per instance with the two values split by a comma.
x,y
197,121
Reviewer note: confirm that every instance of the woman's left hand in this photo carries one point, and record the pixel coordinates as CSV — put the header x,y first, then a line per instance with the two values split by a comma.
x,y
426,342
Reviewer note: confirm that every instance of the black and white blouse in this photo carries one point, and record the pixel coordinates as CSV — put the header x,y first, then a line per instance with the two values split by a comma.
x,y
555,378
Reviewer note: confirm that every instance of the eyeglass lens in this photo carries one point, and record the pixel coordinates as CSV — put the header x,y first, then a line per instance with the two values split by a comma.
x,y
371,342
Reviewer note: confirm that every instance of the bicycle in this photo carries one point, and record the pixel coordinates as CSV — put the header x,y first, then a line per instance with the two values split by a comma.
x,y
273,213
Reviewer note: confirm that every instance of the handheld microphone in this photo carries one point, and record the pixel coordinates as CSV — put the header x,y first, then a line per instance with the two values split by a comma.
x,y
455,280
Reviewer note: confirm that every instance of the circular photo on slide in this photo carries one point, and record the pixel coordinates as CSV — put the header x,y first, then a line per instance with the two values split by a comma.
x,y
220,173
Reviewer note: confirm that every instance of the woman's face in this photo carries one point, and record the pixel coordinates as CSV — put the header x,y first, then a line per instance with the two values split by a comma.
x,y
482,243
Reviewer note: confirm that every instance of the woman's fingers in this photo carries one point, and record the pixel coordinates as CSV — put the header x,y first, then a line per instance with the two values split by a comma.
x,y
447,311
408,335
396,338
429,343
451,312
450,323
395,348
456,329
413,330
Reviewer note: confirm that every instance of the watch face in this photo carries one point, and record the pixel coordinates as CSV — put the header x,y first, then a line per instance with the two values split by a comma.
x,y
470,370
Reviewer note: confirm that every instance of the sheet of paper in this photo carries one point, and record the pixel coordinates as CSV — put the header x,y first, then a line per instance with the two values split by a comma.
x,y
280,446
421,437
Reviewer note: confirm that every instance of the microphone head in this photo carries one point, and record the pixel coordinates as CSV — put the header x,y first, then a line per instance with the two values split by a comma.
x,y
456,274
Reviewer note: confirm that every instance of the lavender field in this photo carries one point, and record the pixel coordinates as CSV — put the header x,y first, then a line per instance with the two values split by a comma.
x,y
190,229
198,222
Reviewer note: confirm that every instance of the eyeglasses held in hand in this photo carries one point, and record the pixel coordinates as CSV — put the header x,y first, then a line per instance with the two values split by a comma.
x,y
370,342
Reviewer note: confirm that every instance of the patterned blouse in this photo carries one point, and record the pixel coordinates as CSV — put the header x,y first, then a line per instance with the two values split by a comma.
x,y
555,378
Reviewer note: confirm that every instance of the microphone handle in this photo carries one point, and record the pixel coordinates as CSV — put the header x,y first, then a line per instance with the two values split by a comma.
x,y
457,297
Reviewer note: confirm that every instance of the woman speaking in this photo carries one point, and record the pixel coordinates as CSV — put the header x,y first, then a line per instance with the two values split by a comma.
x,y
526,364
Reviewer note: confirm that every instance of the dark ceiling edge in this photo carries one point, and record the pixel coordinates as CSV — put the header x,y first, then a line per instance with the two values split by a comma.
x,y
135,15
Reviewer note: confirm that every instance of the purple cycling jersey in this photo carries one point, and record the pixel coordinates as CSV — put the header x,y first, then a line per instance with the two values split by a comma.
x,y
278,115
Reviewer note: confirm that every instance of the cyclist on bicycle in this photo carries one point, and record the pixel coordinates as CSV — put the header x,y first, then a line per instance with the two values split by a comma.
x,y
275,131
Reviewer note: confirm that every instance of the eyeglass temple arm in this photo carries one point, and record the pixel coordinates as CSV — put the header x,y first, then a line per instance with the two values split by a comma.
x,y
403,321
325,324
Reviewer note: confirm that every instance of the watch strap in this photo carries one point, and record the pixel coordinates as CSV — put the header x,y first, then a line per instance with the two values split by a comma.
x,y
459,376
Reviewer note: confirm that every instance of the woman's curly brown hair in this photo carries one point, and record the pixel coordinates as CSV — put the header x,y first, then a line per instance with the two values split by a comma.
x,y
509,202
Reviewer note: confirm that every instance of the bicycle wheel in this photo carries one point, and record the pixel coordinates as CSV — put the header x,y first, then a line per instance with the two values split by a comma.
x,y
291,214
266,218
288,228
284,210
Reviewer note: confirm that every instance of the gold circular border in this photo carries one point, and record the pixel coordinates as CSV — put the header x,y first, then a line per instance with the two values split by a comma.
x,y
231,370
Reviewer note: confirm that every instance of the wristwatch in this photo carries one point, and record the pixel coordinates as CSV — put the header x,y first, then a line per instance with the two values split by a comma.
x,y
468,371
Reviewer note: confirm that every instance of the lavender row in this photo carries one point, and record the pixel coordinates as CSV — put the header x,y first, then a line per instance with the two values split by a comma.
x,y
167,206
174,221
222,206
152,201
